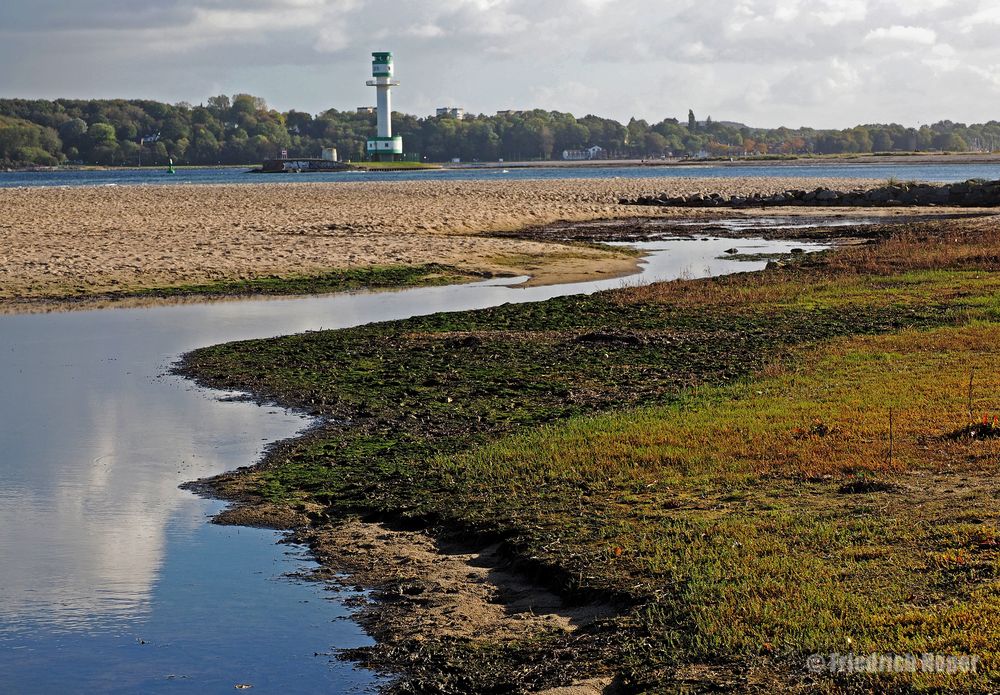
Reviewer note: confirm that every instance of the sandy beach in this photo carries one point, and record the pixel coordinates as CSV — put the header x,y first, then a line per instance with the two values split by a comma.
x,y
73,242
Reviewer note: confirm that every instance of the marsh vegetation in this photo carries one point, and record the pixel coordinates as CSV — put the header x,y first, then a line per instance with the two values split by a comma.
x,y
753,468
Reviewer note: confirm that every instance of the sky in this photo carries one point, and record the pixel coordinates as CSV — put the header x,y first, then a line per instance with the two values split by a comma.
x,y
767,63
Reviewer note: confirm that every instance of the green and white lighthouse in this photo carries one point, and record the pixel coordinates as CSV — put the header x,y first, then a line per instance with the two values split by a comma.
x,y
384,147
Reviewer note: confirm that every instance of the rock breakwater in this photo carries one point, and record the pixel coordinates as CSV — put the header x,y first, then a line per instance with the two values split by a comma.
x,y
972,193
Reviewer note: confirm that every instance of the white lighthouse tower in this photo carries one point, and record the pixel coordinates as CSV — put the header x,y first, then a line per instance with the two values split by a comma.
x,y
384,147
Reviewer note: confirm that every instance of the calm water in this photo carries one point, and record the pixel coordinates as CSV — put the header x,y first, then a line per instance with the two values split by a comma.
x,y
111,580
923,172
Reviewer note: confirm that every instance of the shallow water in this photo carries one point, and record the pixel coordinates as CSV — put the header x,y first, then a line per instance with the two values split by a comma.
x,y
111,580
935,172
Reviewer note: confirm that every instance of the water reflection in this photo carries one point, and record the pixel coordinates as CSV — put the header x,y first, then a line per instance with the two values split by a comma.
x,y
100,548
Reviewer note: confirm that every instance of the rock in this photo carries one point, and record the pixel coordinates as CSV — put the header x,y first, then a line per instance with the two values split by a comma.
x,y
972,193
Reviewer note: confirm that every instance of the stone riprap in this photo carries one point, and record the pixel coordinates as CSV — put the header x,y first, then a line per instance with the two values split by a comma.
x,y
973,193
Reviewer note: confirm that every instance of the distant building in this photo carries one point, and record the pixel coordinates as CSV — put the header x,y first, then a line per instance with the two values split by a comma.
x,y
451,112
330,154
595,152
366,109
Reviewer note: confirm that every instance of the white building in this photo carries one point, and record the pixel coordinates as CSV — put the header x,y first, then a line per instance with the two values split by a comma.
x,y
451,112
595,152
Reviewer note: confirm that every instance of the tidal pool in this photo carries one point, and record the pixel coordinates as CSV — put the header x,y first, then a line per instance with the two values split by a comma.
x,y
111,579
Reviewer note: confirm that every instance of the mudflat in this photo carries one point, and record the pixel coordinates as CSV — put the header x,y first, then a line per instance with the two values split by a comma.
x,y
758,472
60,243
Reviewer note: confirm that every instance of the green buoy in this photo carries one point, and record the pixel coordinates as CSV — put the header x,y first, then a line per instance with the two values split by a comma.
x,y
170,168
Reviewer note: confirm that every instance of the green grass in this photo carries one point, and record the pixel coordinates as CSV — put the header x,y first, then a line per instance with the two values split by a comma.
x,y
713,454
727,504
346,280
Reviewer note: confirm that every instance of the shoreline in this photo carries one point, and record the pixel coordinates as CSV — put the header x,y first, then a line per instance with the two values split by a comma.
x,y
424,582
540,271
368,278
765,160
403,599
621,265
71,243
761,160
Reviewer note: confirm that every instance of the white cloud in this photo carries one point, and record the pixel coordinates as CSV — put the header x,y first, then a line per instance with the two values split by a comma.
x,y
989,15
426,31
907,34
816,62
917,8
942,58
833,12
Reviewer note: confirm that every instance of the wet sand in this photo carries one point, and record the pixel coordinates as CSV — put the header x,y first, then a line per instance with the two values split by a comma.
x,y
73,242
421,586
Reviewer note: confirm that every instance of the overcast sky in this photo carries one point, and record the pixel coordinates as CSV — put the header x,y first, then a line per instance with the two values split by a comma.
x,y
825,63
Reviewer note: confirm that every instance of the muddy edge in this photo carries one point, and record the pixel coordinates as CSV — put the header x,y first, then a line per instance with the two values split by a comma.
x,y
434,583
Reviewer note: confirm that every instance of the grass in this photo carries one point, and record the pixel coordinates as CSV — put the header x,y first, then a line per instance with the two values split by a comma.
x,y
728,505
714,455
345,280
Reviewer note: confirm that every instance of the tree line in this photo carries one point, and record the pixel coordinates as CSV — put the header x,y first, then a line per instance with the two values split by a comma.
x,y
243,130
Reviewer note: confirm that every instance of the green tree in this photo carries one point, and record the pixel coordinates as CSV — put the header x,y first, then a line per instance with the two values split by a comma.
x,y
73,130
129,150
23,142
881,141
654,143
951,142
102,134
219,106
637,129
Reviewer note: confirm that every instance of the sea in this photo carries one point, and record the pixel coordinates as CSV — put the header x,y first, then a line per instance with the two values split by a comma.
x,y
934,172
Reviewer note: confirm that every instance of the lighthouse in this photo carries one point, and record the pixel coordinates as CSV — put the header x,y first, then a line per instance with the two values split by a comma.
x,y
384,147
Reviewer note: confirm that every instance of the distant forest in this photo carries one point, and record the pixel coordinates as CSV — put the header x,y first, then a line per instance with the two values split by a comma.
x,y
243,130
